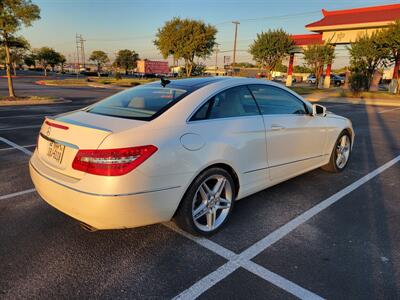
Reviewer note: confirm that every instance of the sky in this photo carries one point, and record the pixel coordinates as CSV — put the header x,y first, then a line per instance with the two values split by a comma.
x,y
111,25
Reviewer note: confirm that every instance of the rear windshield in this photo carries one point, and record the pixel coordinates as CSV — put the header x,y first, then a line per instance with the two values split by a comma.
x,y
140,103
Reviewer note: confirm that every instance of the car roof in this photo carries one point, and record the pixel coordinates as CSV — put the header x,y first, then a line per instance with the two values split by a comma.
x,y
191,84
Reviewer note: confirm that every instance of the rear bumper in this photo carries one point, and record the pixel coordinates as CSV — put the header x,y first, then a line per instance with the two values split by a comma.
x,y
108,211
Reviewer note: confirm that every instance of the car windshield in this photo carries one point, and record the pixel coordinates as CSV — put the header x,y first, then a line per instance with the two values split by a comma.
x,y
140,103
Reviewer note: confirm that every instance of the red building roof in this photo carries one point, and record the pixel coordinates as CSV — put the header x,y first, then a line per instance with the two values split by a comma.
x,y
380,13
307,39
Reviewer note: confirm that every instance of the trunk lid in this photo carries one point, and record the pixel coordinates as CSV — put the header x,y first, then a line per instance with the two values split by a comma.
x,y
61,137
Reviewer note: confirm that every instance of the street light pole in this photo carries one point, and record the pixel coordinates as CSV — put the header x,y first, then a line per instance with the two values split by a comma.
x,y
234,46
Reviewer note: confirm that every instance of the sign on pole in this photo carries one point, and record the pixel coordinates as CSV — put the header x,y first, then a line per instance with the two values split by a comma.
x,y
227,62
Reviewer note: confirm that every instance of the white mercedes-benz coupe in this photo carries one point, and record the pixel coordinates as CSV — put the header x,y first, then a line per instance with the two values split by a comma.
x,y
184,150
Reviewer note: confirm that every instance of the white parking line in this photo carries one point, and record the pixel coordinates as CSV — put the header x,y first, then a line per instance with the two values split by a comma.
x,y
234,262
207,282
14,145
307,215
19,127
11,148
388,110
17,194
279,281
244,259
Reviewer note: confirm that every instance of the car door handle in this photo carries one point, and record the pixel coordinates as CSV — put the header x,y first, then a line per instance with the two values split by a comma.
x,y
277,127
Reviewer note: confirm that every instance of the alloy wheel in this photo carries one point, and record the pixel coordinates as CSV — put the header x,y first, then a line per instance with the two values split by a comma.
x,y
342,151
212,202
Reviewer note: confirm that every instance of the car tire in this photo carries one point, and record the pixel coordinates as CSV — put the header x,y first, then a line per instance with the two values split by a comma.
x,y
202,197
340,155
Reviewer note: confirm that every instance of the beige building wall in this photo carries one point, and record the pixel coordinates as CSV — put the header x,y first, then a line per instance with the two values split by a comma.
x,y
346,36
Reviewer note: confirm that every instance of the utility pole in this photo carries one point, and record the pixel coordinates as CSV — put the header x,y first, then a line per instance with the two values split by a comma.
x,y
83,52
80,49
77,54
234,46
216,56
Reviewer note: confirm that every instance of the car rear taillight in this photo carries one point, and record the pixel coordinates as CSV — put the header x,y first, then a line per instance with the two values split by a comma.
x,y
112,162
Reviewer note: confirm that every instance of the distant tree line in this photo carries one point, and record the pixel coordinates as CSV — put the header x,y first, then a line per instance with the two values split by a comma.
x,y
192,40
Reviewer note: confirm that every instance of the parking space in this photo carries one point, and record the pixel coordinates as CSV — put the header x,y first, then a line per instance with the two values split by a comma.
x,y
284,242
351,250
45,254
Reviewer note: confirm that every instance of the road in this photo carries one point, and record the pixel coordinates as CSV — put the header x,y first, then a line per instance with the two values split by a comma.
x,y
318,235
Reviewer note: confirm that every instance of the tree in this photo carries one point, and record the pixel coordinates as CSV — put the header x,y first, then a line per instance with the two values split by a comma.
x,y
316,56
302,69
62,61
126,59
48,57
391,39
186,39
14,14
100,58
279,67
245,65
30,59
269,48
17,48
199,69
367,54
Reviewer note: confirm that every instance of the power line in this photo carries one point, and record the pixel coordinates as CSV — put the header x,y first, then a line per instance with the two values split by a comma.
x,y
217,24
273,17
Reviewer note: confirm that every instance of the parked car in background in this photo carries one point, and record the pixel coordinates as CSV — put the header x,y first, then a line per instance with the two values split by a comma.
x,y
279,78
337,80
184,150
284,78
311,79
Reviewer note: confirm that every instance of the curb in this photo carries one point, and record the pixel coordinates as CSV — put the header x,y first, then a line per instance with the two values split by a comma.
x,y
32,102
115,87
33,76
358,101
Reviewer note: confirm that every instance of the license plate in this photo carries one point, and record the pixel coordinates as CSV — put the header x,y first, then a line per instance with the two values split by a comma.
x,y
55,152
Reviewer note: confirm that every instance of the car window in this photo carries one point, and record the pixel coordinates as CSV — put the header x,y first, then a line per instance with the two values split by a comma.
x,y
233,102
140,103
273,100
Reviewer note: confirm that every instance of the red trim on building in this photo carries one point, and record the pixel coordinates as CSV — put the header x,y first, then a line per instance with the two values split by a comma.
x,y
307,39
370,14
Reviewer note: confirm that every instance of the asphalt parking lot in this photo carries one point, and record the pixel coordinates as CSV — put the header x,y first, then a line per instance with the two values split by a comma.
x,y
319,235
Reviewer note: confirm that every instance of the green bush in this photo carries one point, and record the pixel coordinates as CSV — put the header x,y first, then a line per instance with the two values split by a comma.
x,y
358,82
118,76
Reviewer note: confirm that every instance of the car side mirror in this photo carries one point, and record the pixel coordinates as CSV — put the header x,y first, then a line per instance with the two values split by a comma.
x,y
318,110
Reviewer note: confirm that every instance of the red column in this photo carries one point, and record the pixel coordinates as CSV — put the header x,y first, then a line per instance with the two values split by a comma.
x,y
290,70
327,80
396,68
328,70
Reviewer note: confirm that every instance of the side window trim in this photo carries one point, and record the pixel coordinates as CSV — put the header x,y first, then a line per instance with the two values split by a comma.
x,y
254,98
209,108
278,88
